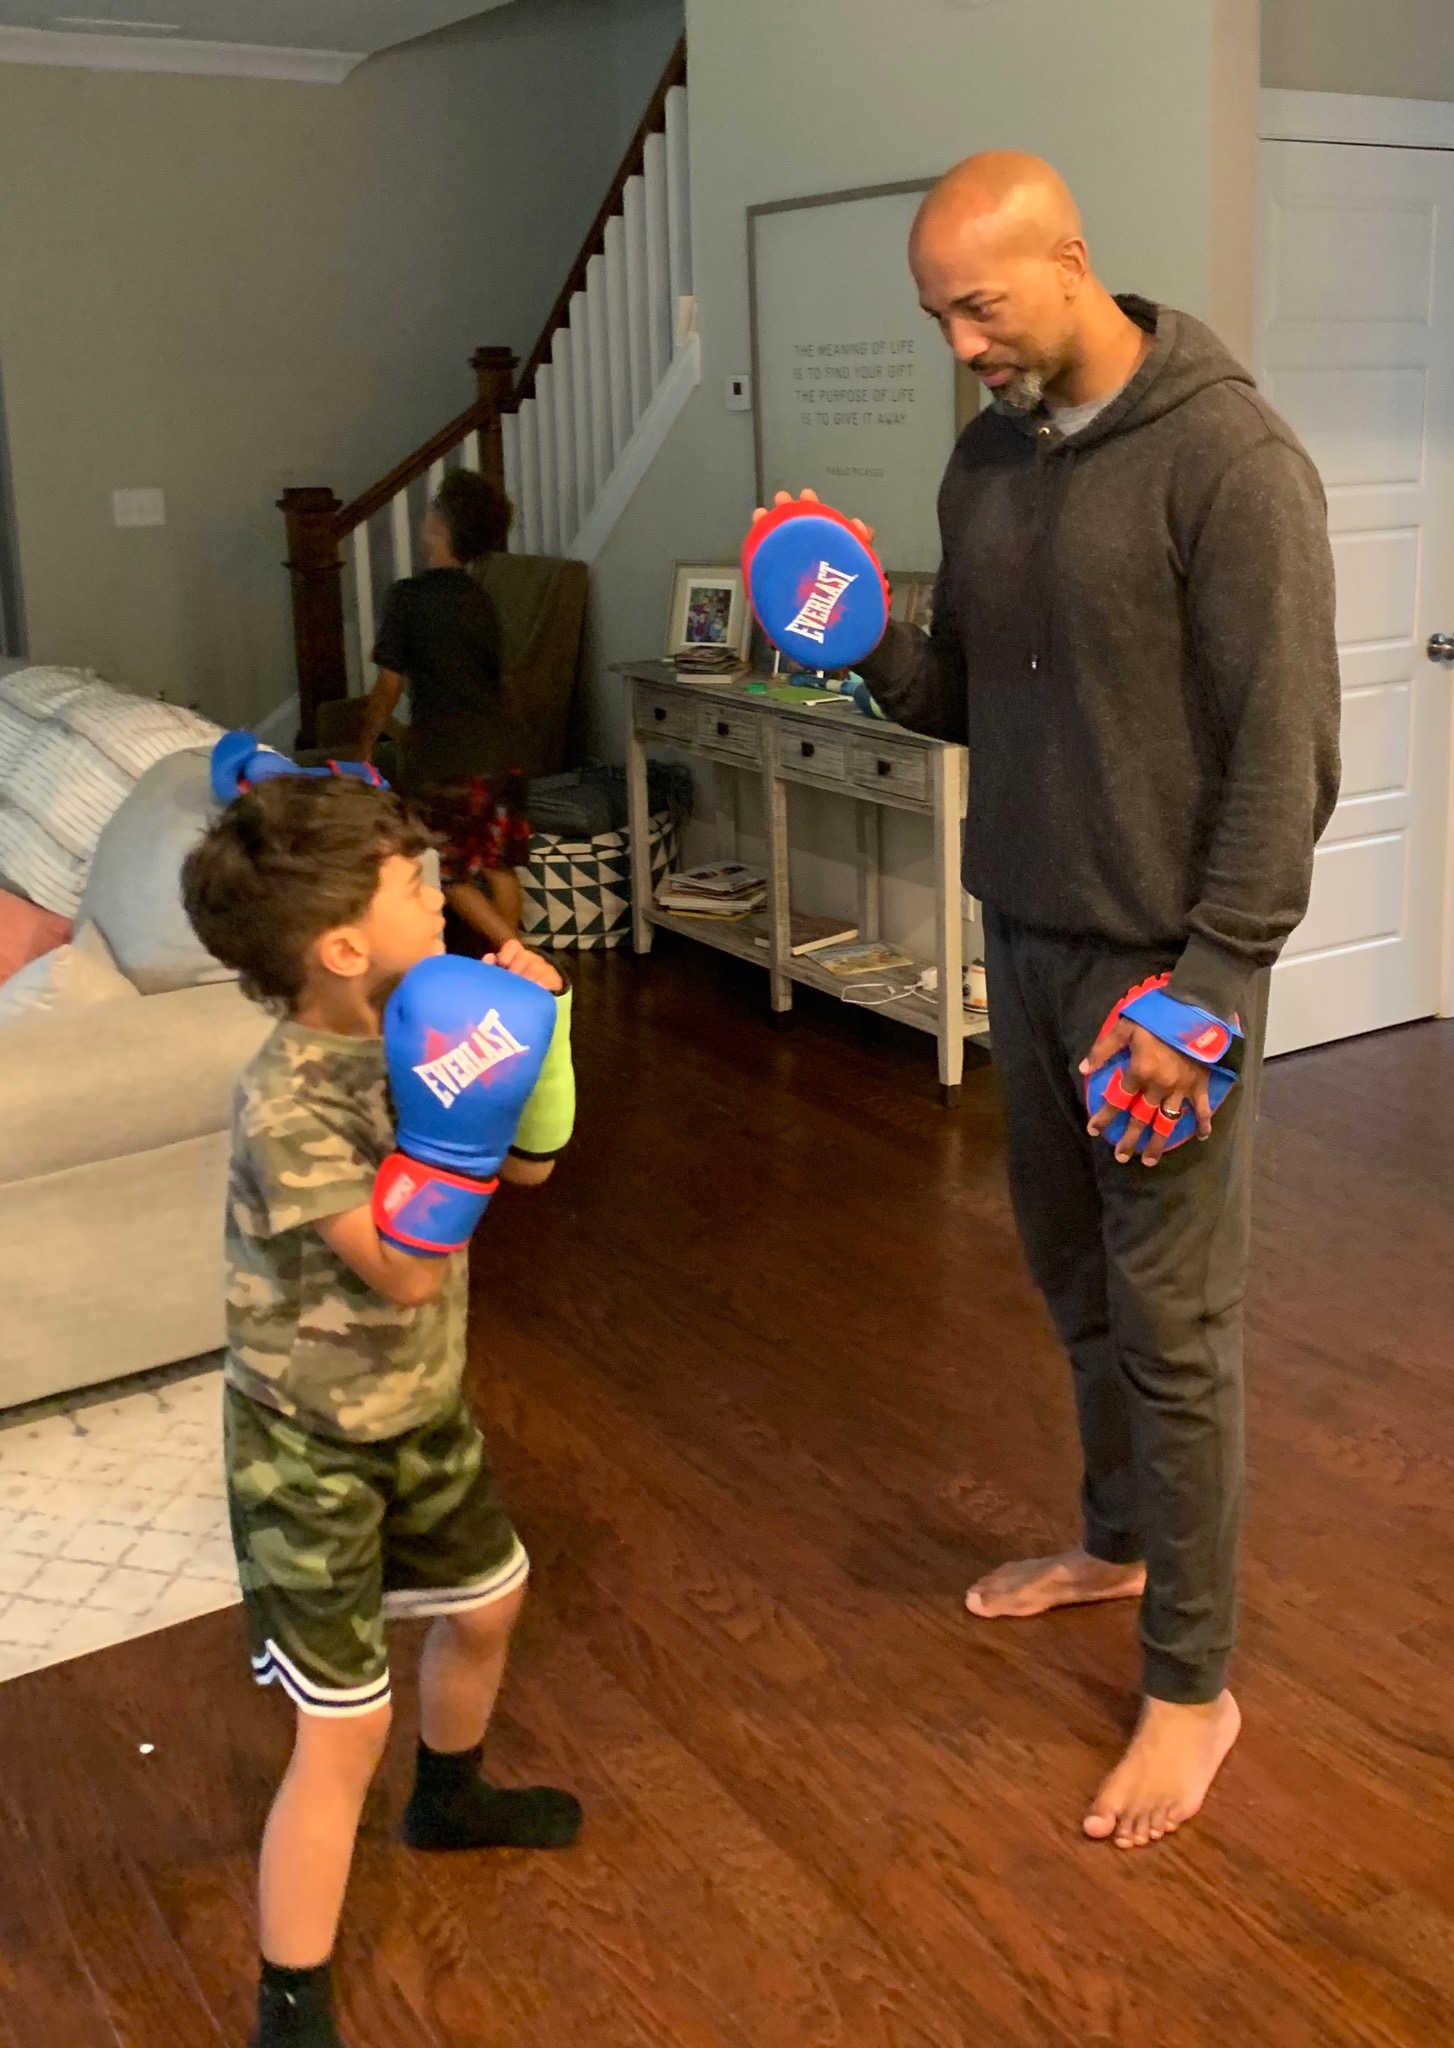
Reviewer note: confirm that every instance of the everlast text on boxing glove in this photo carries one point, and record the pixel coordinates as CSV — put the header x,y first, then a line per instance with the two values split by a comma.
x,y
465,1044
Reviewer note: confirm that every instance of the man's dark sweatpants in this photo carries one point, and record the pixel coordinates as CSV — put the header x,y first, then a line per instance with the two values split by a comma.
x,y
1143,1270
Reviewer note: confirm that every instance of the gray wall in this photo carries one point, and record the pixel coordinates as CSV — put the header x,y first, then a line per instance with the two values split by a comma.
x,y
224,286
1402,49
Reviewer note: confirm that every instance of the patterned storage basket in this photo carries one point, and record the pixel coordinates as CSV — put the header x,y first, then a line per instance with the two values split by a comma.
x,y
577,892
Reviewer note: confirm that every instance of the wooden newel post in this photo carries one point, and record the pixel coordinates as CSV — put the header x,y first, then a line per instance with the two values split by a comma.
x,y
316,568
494,370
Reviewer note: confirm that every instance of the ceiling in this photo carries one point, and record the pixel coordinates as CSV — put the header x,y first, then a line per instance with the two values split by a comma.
x,y
357,26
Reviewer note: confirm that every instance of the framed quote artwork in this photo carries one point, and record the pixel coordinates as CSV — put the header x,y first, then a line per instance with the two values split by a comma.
x,y
856,393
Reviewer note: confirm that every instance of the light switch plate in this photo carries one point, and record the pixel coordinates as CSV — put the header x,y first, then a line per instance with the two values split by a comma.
x,y
139,508
739,393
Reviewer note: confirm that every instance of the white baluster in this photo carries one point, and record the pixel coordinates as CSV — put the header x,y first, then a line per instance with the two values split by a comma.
x,y
638,320
510,447
678,195
529,511
469,454
618,339
580,355
563,389
549,474
363,600
600,368
403,536
660,307
436,478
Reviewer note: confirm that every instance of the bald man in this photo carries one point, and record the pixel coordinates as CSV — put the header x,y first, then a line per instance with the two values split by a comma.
x,y
1133,632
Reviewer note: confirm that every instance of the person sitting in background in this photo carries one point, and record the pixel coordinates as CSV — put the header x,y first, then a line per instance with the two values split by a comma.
x,y
439,634
485,837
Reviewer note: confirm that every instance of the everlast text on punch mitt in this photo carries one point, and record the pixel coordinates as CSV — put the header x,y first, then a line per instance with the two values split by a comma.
x,y
815,585
1189,1030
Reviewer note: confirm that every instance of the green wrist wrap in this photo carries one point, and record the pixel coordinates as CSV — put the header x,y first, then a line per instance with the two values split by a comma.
x,y
549,1116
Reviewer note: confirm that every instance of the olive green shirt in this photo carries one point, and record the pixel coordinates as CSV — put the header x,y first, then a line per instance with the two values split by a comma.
x,y
312,1123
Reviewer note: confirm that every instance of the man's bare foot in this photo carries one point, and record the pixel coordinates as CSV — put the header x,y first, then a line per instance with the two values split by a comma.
x,y
1037,1584
1166,1773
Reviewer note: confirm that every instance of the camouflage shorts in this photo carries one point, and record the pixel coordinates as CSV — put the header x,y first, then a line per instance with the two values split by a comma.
x,y
332,1538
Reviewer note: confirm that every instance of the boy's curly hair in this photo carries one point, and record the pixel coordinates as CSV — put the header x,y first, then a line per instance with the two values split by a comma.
x,y
294,858
476,512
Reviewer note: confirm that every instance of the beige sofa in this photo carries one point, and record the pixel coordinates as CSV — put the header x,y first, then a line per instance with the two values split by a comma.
x,y
111,1185
113,1118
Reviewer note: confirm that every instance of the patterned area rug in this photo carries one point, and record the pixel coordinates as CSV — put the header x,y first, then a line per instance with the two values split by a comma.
x,y
113,1520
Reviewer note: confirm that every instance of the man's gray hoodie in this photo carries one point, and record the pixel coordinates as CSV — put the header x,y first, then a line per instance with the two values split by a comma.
x,y
1133,631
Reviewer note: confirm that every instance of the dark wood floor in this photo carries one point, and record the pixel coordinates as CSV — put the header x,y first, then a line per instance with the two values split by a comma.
x,y
767,1385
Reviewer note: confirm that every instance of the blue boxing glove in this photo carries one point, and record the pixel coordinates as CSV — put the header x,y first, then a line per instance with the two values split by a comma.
x,y
1189,1030
464,1043
240,761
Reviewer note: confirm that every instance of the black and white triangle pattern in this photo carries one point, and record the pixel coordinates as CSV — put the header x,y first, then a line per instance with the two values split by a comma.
x,y
577,892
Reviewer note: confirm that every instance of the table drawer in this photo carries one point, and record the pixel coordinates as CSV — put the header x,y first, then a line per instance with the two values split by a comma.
x,y
811,753
664,716
904,770
724,731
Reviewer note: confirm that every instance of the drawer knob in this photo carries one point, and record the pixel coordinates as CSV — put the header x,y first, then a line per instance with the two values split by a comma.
x,y
885,767
723,728
808,750
660,714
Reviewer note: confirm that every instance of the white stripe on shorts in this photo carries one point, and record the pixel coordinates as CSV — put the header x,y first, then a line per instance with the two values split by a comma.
x,y
339,1702
413,1602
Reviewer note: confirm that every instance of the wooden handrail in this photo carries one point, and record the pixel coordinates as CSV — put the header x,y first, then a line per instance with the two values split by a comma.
x,y
652,122
414,466
495,369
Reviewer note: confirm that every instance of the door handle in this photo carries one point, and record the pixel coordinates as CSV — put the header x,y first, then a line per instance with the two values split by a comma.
x,y
1441,648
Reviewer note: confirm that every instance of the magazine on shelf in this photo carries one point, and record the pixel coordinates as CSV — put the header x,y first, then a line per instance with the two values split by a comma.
x,y
872,956
810,933
717,878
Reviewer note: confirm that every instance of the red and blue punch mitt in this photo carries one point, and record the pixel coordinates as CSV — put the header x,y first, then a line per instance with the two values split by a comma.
x,y
815,585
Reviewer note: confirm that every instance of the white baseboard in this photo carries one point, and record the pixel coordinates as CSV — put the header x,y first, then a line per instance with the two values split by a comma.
x,y
280,727
672,393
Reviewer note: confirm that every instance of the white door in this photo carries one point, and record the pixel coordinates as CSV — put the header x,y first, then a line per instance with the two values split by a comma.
x,y
1355,346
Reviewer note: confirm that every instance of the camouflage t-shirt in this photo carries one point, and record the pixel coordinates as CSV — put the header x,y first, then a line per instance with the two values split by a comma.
x,y
312,1122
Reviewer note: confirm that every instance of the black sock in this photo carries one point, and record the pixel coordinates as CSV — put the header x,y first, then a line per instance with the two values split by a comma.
x,y
295,2008
453,1808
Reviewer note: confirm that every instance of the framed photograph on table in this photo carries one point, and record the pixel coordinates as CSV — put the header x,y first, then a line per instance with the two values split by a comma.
x,y
709,611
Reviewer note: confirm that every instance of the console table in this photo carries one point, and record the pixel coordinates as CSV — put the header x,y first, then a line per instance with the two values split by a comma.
x,y
832,747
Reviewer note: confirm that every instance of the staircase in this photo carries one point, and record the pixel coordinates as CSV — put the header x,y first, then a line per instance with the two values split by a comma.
x,y
570,438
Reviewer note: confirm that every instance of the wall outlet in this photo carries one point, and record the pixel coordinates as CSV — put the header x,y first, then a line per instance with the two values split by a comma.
x,y
739,393
139,508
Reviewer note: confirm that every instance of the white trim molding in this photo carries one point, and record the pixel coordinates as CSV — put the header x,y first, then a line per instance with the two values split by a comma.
x,y
1355,117
280,728
176,54
671,394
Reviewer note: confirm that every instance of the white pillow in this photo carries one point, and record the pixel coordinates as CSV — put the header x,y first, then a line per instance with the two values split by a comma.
x,y
134,889
69,977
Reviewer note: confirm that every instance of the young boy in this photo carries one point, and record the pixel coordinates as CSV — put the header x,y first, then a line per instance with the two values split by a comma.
x,y
358,1483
